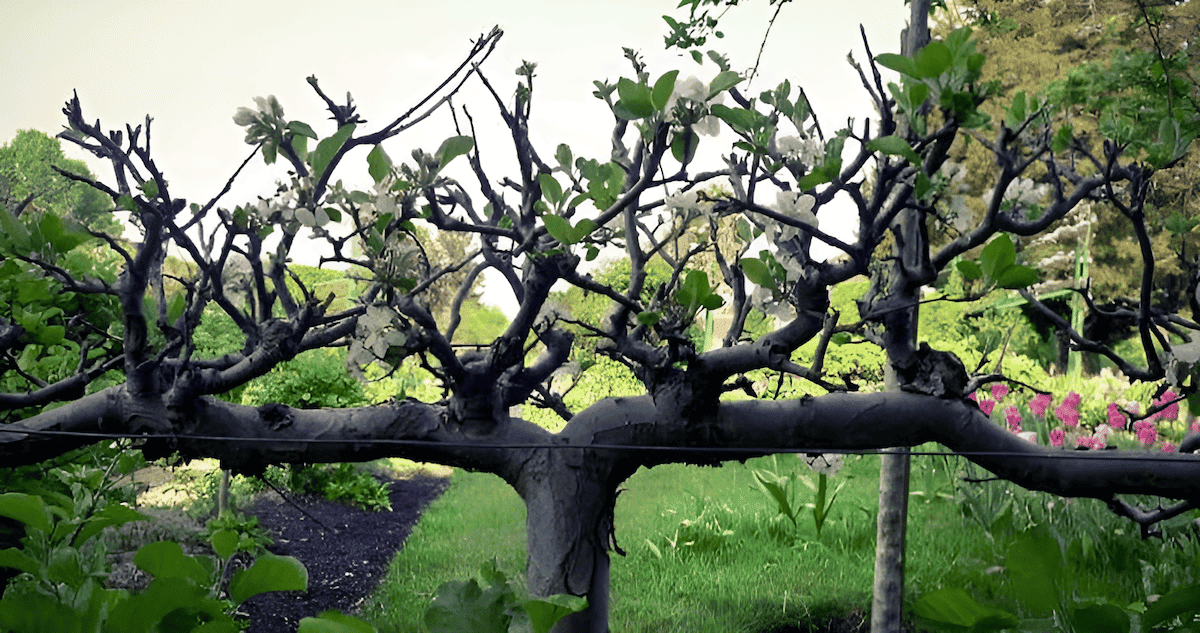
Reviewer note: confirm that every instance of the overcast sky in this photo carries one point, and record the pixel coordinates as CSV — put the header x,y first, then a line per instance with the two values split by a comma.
x,y
189,65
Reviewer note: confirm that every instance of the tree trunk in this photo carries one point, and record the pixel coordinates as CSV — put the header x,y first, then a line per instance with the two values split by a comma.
x,y
569,504
887,601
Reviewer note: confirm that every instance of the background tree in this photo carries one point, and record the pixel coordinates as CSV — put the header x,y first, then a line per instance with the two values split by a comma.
x,y
698,405
29,165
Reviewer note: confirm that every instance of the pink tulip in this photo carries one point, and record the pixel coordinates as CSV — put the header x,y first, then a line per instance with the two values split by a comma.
x,y
999,390
986,406
1116,419
1012,416
1056,437
1040,403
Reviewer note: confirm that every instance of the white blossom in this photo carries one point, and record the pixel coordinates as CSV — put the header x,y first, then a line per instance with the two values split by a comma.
x,y
796,206
684,202
695,91
803,149
823,463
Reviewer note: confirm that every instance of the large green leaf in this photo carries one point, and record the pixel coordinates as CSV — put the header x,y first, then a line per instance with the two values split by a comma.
x,y
268,573
545,612
27,509
933,60
636,98
999,254
898,63
60,237
551,190
113,515
379,164
1017,276
165,559
953,606
465,607
758,272
663,89
1179,601
1034,567
894,146
722,82
328,148
452,148
1101,618
334,622
16,559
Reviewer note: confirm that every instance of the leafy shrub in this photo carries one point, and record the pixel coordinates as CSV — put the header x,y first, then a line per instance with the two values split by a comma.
x,y
468,607
313,380
340,482
251,537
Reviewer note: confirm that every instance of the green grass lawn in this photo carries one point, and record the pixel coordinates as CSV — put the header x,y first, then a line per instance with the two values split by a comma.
x,y
707,552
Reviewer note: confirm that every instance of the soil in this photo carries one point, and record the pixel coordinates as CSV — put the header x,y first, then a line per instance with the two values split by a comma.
x,y
345,549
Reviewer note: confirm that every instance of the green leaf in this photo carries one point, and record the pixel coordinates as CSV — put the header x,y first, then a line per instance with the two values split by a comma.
x,y
334,622
663,89
1101,618
649,318
16,559
300,146
545,612
894,146
1017,276
27,509
268,573
999,254
328,148
969,269
758,272
379,164
635,98
150,188
127,203
1034,567
113,515
1179,225
816,177
775,487
558,228
552,191
953,606
463,607
60,237
840,338
933,60
898,63
165,559
1062,138
740,119
922,186
452,148
722,82
176,307
564,157
684,144
1178,602
1016,111
583,229
224,543
300,128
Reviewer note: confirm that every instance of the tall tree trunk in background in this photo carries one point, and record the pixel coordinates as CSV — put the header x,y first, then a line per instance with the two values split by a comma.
x,y
900,329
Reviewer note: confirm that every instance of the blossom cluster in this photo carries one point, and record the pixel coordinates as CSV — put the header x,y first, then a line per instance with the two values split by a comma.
x,y
1070,431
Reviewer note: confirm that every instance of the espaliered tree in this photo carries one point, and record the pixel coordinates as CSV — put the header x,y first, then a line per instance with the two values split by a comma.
x,y
536,226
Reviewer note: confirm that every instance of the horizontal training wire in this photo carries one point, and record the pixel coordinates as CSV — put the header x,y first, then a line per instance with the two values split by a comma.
x,y
1066,454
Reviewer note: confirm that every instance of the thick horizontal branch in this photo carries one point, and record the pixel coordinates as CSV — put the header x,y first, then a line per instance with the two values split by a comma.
x,y
631,431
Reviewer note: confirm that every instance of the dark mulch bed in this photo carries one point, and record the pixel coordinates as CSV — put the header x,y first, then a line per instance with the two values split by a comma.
x,y
346,557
